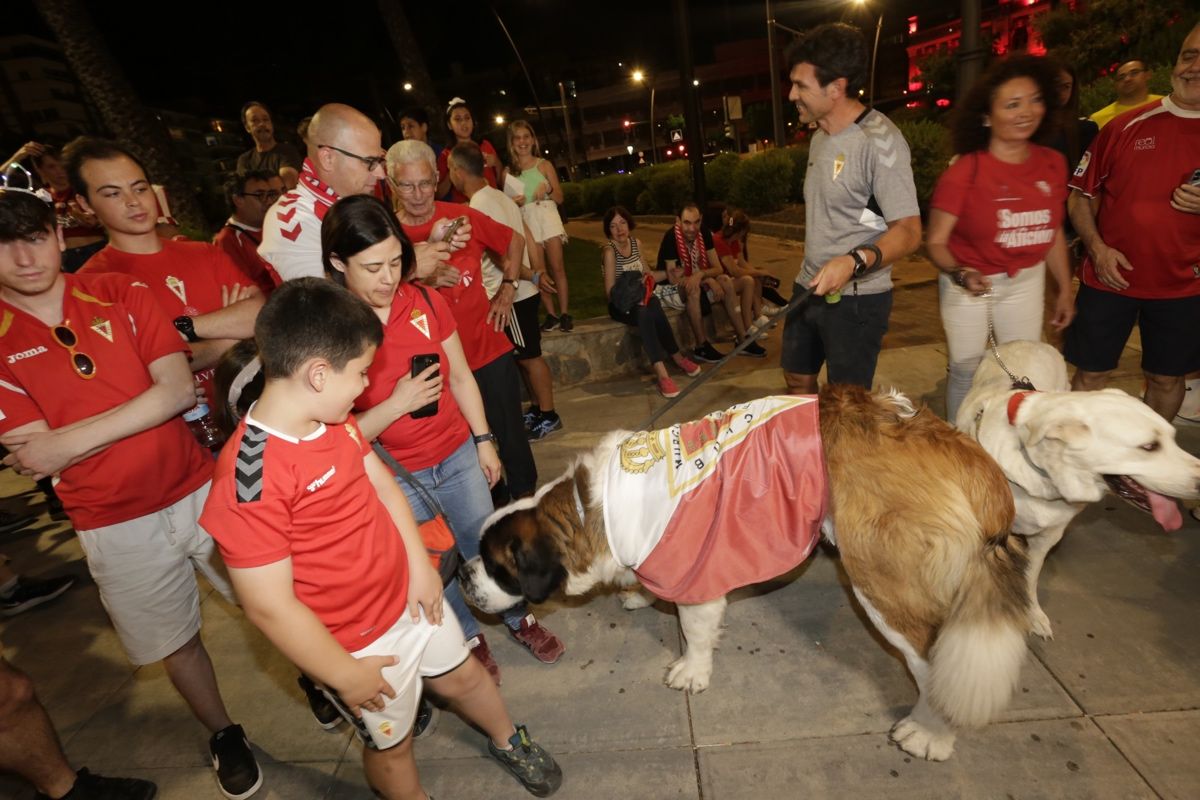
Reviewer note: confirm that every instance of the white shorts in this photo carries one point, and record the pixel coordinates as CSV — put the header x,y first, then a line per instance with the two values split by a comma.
x,y
543,221
424,650
145,569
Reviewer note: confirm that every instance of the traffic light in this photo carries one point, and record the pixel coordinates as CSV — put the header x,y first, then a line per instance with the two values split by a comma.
x,y
728,130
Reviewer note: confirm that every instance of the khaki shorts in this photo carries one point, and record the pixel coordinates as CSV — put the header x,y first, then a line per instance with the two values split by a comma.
x,y
424,650
145,569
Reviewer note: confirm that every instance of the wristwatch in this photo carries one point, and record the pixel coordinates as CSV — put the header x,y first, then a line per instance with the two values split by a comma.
x,y
860,264
480,438
959,276
511,282
187,327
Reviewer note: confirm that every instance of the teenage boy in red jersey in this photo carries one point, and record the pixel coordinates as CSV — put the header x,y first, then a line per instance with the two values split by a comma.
x,y
212,303
325,554
93,379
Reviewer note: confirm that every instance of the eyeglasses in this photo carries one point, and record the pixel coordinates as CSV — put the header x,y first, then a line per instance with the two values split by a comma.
x,y
83,364
1133,73
266,196
372,162
404,187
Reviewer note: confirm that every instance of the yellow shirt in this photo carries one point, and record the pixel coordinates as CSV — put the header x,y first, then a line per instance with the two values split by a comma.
x,y
1106,114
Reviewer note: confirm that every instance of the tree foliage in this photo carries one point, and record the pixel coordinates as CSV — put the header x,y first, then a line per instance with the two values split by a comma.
x,y
1105,33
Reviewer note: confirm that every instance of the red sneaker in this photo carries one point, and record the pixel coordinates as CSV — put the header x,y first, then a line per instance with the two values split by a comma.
x,y
545,646
479,649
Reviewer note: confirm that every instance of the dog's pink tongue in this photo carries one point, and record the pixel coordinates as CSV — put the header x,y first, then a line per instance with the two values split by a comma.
x,y
1165,511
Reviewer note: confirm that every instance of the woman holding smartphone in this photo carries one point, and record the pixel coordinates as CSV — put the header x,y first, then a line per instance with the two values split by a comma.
x,y
450,451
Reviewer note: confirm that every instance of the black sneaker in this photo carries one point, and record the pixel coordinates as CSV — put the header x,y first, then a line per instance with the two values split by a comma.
x,y
529,763
543,426
238,775
753,350
531,416
32,592
566,324
10,522
427,719
550,324
97,787
707,353
323,711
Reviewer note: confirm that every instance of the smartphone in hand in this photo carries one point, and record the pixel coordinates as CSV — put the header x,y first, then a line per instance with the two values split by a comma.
x,y
1195,179
452,228
420,363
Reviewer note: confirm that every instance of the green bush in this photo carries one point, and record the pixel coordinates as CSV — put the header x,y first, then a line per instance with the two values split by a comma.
x,y
929,144
645,203
761,183
599,193
718,174
628,188
669,186
798,153
572,205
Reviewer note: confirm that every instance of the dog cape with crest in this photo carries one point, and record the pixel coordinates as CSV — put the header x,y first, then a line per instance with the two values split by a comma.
x,y
708,490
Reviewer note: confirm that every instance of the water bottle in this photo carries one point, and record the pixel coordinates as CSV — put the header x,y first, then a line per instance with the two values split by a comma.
x,y
200,422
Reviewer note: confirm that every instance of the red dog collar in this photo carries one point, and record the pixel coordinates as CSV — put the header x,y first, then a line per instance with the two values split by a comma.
x,y
1014,403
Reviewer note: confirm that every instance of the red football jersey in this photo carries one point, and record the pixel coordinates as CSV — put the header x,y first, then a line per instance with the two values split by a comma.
x,y
121,328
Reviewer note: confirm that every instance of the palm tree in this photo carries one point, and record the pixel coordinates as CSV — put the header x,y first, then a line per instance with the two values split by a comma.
x,y
114,97
412,62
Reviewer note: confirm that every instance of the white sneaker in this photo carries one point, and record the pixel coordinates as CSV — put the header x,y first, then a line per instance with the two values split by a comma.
x,y
1190,410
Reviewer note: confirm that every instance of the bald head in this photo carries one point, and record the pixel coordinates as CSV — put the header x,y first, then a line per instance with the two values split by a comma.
x,y
340,141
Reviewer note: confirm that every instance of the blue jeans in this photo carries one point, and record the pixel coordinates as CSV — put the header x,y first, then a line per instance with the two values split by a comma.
x,y
458,484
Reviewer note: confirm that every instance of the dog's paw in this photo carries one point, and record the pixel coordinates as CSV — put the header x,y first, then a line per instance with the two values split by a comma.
x,y
689,675
917,740
1039,623
633,599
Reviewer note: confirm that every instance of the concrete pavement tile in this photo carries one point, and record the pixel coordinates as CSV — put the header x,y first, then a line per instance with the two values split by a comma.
x,y
281,781
1162,747
656,774
1048,759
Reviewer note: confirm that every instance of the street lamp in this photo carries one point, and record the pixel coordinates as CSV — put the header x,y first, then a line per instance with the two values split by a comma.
x,y
407,86
641,77
874,53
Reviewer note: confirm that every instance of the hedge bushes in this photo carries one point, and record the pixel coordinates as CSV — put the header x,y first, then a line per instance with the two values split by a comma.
x,y
929,144
762,183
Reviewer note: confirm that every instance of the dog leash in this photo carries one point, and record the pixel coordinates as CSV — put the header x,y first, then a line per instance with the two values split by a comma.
x,y
1017,383
797,300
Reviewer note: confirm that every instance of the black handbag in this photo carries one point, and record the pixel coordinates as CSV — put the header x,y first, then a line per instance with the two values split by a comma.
x,y
628,291
435,532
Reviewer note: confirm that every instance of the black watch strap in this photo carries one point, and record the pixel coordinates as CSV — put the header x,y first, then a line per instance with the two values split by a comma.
x,y
480,438
860,263
187,327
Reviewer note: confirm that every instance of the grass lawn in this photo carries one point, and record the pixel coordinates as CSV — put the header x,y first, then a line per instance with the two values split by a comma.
x,y
585,278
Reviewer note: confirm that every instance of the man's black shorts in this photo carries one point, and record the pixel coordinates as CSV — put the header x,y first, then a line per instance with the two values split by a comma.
x,y
527,338
847,334
1104,320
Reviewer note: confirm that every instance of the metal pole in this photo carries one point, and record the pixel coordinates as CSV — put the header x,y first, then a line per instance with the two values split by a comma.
x,y
874,54
970,54
653,139
562,96
520,60
691,102
773,68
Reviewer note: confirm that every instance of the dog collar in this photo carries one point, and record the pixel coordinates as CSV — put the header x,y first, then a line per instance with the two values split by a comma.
x,y
1014,403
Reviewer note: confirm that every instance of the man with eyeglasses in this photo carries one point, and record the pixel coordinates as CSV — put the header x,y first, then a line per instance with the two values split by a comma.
x,y
1132,81
93,379
250,195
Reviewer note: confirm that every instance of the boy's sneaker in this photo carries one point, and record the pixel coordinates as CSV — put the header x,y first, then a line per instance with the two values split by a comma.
x,y
707,353
689,367
32,592
427,719
753,350
97,787
566,324
545,646
550,323
543,426
1190,410
531,416
323,711
529,763
10,522
238,775
667,388
479,648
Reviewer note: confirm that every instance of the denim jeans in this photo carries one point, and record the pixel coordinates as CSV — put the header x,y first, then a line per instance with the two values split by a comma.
x,y
459,485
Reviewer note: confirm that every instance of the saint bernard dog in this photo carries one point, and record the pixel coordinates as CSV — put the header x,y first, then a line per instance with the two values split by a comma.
x,y
1062,450
920,514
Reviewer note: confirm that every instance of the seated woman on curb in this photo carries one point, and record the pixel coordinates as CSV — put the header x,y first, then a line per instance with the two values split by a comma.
x,y
729,240
623,253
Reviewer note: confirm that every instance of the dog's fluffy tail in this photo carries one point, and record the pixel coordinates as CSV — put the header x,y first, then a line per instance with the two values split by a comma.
x,y
976,660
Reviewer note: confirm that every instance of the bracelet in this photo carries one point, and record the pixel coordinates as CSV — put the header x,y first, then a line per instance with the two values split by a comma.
x,y
480,438
959,276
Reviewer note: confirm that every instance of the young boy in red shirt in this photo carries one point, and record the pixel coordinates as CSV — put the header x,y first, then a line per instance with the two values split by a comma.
x,y
324,551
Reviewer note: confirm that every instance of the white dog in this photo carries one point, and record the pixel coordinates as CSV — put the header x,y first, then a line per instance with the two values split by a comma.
x,y
1061,450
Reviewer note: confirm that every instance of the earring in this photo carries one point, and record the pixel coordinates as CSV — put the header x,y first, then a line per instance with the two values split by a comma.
x,y
987,123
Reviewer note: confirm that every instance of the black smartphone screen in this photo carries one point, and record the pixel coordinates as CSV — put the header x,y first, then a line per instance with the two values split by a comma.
x,y
420,363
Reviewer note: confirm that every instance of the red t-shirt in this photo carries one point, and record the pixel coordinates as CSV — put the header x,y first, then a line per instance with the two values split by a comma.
x,y
1133,166
275,497
119,325
185,277
416,327
241,245
1008,214
489,173
467,299
733,248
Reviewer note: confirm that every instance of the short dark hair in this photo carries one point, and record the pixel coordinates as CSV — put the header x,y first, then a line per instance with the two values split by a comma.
x,y
90,148
469,158
251,104
355,223
313,318
237,184
613,213
685,205
416,114
836,50
24,214
968,133
50,151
